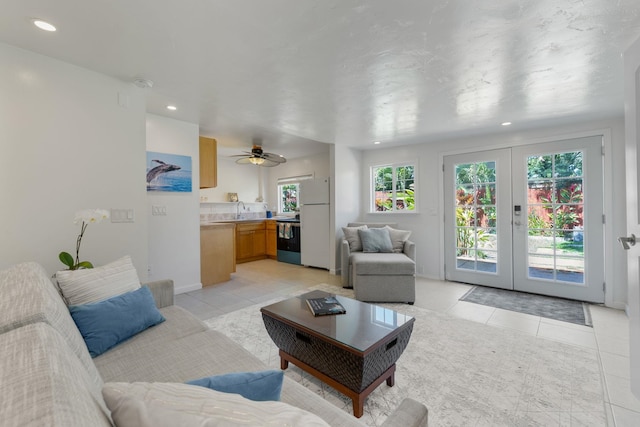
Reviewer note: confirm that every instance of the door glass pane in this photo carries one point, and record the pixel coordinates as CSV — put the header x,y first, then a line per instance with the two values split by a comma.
x,y
476,217
555,217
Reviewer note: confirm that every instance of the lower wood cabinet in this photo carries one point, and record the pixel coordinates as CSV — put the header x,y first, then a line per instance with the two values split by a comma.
x,y
250,241
272,239
217,253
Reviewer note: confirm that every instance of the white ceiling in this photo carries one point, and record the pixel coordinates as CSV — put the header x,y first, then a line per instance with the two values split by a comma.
x,y
297,72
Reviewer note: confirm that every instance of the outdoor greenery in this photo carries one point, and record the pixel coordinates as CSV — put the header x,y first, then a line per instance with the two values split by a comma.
x,y
555,201
289,197
475,197
390,187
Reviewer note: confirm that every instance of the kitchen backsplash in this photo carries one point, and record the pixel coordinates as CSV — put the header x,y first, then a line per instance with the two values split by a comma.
x,y
230,211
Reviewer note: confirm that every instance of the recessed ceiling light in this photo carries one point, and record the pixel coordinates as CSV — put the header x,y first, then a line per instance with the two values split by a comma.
x,y
506,123
43,25
143,83
172,107
376,142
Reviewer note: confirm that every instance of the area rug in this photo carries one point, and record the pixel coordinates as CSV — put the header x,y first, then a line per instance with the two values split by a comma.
x,y
466,373
538,305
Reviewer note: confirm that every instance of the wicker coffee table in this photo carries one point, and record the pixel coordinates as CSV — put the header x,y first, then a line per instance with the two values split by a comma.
x,y
353,352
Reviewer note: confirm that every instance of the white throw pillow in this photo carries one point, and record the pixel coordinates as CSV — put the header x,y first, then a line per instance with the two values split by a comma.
x,y
175,404
80,287
351,235
398,237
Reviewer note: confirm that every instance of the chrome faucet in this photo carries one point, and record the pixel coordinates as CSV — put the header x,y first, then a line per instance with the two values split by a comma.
x,y
238,209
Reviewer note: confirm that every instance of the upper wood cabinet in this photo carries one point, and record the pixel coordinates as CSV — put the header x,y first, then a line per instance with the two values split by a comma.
x,y
208,162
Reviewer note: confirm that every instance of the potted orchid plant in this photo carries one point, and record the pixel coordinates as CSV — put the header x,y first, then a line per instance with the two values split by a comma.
x,y
86,216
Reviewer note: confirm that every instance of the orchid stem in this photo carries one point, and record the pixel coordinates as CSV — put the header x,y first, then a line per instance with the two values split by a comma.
x,y
82,229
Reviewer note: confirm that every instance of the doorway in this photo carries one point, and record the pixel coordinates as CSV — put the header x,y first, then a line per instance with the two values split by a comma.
x,y
527,218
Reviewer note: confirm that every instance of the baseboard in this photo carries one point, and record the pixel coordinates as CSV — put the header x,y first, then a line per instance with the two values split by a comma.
x,y
428,276
186,288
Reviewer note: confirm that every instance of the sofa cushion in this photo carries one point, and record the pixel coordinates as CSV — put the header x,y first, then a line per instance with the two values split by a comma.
x,y
96,284
398,237
258,386
351,235
105,324
198,355
382,264
44,383
375,240
29,296
171,404
193,356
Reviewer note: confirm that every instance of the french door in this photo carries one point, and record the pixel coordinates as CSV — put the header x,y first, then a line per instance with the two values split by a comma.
x,y
528,218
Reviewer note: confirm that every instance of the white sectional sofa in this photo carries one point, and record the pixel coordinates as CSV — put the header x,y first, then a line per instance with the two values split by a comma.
x,y
47,377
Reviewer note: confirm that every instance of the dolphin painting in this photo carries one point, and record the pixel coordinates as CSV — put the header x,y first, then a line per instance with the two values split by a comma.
x,y
158,170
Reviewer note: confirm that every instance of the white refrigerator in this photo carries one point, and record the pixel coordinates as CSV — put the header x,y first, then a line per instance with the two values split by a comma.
x,y
314,223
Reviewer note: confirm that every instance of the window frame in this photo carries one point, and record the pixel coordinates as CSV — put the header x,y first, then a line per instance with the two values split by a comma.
x,y
372,193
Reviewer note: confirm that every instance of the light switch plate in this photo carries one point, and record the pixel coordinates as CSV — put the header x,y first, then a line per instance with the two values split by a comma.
x,y
122,215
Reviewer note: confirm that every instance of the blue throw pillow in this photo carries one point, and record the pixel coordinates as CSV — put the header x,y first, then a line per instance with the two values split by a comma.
x,y
259,386
107,323
375,240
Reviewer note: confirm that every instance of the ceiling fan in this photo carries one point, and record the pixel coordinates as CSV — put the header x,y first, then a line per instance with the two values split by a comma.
x,y
260,158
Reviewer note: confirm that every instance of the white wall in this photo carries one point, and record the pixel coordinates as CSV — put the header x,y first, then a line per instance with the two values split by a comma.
x,y
347,188
66,144
426,225
174,238
234,178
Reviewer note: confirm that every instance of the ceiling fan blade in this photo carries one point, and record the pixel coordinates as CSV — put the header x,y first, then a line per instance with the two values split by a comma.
x,y
247,154
274,157
269,163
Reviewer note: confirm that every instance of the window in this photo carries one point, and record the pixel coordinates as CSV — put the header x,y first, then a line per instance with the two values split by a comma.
x,y
393,188
289,192
288,197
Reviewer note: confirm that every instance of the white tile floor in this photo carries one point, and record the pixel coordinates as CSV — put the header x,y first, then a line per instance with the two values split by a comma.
x,y
259,281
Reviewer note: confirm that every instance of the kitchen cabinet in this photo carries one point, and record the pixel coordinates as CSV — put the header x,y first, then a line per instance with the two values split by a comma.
x,y
250,241
272,239
208,162
217,253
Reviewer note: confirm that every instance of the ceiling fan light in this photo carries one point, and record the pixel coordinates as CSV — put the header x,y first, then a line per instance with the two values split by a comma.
x,y
256,160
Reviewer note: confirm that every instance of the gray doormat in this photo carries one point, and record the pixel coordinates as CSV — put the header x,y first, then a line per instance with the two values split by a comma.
x,y
561,309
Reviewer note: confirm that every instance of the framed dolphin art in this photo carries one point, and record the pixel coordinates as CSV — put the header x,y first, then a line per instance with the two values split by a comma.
x,y
168,172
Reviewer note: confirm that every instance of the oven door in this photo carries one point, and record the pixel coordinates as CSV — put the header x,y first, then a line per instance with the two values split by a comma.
x,y
289,236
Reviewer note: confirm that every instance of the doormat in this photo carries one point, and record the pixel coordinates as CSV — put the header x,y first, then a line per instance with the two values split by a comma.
x,y
561,309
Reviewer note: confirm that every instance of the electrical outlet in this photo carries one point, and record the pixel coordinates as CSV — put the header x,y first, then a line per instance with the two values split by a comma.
x,y
158,210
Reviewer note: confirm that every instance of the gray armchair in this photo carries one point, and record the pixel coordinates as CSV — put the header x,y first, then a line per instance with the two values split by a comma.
x,y
379,277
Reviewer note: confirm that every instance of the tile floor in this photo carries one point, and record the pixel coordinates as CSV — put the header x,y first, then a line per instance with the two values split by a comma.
x,y
260,280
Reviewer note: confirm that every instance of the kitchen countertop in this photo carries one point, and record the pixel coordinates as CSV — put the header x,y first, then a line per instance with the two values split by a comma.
x,y
235,221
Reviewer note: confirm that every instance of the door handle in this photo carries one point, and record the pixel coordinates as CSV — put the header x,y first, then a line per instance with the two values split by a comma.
x,y
627,242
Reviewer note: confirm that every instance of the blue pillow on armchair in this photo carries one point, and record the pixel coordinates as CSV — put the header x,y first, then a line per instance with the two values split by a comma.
x,y
258,386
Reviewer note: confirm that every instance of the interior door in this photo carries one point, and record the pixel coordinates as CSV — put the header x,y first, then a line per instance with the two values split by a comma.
x,y
632,135
558,232
478,218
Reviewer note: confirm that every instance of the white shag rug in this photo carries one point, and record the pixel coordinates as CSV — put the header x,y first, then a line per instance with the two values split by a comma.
x,y
466,373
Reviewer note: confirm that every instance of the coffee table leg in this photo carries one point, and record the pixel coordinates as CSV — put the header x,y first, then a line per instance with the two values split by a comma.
x,y
284,363
358,405
392,379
